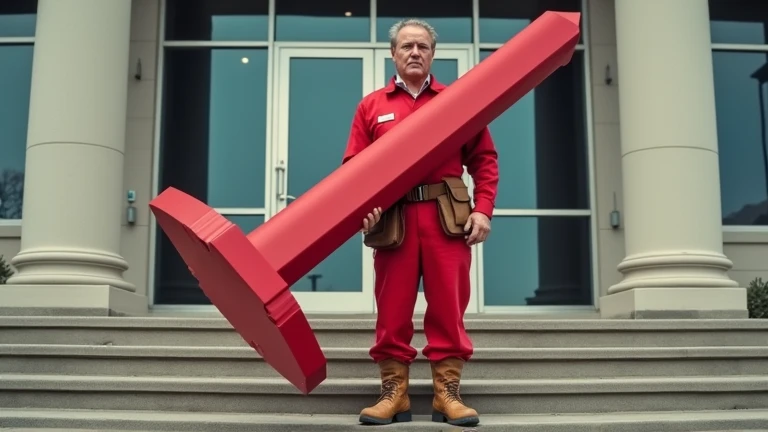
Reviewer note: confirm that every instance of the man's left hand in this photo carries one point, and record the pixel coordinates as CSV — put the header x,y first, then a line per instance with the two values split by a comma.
x,y
480,226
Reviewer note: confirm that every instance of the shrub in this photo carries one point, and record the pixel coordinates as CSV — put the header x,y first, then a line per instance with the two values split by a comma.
x,y
5,270
757,298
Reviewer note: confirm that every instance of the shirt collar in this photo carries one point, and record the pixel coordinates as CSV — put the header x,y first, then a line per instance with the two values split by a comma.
x,y
430,82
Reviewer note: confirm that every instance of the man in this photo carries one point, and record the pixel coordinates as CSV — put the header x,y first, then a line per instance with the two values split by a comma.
x,y
426,250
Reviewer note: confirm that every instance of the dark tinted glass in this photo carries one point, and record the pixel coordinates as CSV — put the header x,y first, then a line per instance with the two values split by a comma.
x,y
18,18
500,20
219,20
739,21
452,19
310,20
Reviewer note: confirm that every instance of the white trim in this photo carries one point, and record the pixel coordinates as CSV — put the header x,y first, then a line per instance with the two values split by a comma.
x,y
537,212
10,222
356,45
535,310
746,228
592,178
320,302
269,166
475,32
157,128
17,40
739,47
241,211
373,16
216,44
493,46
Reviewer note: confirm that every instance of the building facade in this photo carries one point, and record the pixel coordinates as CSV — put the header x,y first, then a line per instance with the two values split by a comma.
x,y
634,180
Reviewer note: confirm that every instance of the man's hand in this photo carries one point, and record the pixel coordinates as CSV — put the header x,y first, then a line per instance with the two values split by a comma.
x,y
481,227
372,219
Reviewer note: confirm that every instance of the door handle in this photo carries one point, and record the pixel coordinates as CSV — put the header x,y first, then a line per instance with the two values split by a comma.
x,y
282,186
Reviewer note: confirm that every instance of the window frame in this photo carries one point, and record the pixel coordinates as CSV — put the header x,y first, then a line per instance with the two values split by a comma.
x,y
26,41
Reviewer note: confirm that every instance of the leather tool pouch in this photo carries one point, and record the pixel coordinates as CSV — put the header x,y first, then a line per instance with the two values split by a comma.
x,y
388,233
455,206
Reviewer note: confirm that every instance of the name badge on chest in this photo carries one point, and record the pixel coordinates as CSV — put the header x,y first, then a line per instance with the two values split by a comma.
x,y
386,117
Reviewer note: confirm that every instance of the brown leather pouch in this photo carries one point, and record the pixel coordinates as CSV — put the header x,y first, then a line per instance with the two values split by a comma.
x,y
455,206
389,232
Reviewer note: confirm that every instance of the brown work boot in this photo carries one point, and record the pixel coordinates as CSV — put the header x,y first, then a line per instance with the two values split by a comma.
x,y
447,405
393,406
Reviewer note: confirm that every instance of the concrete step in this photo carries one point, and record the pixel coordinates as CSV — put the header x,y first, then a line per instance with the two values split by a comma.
x,y
346,396
487,363
357,333
57,420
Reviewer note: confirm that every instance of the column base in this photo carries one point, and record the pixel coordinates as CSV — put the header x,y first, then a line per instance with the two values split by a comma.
x,y
675,303
70,300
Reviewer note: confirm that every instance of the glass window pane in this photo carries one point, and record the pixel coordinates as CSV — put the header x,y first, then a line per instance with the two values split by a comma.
x,y
452,20
738,21
741,95
214,125
542,146
309,20
15,85
18,18
311,159
500,20
537,261
220,20
174,283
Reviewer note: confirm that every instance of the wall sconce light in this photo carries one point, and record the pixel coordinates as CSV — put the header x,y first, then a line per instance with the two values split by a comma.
x,y
130,211
138,70
615,214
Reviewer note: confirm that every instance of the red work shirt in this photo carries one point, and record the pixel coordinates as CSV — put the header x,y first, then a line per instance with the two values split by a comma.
x,y
372,120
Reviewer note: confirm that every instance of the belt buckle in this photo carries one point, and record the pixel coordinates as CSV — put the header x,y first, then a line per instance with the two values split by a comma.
x,y
420,193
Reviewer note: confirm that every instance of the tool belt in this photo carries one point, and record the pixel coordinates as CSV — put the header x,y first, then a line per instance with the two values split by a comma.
x,y
454,207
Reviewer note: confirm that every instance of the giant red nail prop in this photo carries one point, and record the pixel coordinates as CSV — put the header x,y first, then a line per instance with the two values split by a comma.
x,y
248,278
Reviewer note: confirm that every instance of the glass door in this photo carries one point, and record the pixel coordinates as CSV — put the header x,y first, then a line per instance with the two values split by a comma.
x,y
447,66
317,91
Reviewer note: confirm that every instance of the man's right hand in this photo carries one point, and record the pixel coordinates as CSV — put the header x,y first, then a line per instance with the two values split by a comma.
x,y
372,219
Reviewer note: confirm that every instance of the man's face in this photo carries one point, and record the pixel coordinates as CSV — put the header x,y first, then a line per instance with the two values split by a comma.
x,y
413,52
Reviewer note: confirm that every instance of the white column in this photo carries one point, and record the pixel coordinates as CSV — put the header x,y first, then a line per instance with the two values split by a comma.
x,y
69,259
674,265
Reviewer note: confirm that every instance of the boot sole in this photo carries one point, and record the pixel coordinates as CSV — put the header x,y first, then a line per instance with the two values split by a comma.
x,y
439,417
402,417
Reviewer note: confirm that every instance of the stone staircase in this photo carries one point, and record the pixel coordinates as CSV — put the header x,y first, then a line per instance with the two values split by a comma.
x,y
196,374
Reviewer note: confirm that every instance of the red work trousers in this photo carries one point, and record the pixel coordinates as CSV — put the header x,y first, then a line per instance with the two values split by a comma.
x,y
444,263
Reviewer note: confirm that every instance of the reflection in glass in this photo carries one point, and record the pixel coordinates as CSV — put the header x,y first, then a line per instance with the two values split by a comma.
x,y
538,261
174,283
213,145
18,18
500,20
738,21
452,20
219,20
542,146
214,125
15,85
741,121
316,142
310,20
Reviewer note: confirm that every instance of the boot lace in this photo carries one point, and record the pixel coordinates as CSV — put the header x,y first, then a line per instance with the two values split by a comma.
x,y
452,391
388,389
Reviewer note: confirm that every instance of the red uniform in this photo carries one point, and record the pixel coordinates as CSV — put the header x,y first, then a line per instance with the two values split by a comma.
x,y
426,250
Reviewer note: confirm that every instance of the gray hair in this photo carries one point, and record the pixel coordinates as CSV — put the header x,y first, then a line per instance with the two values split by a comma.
x,y
395,29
